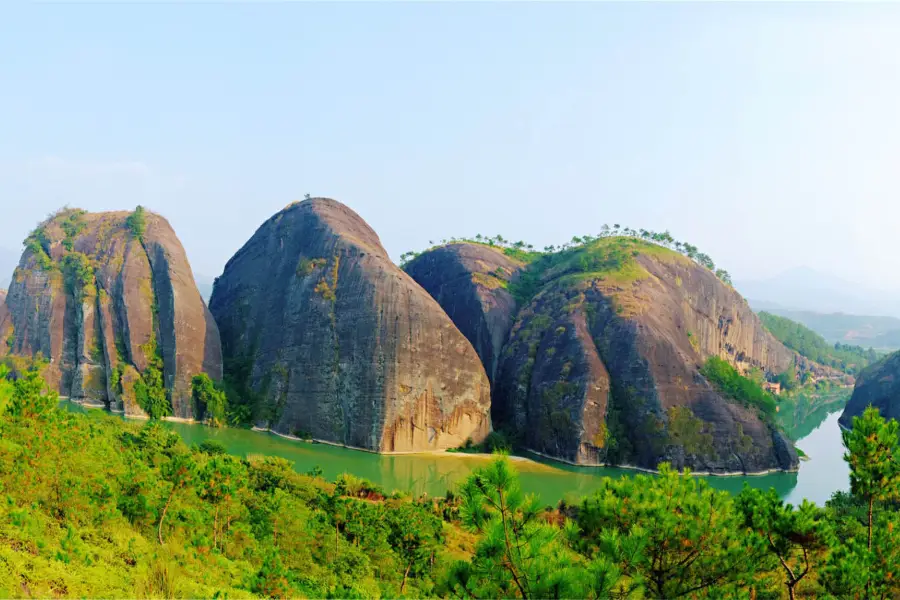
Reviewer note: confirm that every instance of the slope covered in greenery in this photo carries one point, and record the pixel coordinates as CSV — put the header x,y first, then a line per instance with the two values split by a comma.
x,y
808,343
590,253
94,506
881,333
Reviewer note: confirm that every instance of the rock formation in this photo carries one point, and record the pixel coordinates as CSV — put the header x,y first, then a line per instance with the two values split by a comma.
x,y
327,338
4,318
603,363
470,282
111,303
878,386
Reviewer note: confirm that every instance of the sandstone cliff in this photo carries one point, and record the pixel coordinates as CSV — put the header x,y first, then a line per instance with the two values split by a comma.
x,y
878,386
470,282
603,363
4,322
111,306
324,336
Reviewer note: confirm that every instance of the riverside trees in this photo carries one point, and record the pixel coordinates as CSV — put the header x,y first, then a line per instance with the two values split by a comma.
x,y
95,506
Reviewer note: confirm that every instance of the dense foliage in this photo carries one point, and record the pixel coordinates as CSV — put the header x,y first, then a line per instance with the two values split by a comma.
x,y
93,506
808,343
841,328
737,387
209,400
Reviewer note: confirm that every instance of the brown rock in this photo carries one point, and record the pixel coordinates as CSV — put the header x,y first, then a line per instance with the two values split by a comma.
x,y
470,282
98,303
604,366
329,338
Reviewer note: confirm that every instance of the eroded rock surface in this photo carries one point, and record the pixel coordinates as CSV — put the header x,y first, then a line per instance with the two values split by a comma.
x,y
604,367
878,386
104,305
328,338
470,282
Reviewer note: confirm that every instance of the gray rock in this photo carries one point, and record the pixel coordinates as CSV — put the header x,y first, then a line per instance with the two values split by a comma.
x,y
329,338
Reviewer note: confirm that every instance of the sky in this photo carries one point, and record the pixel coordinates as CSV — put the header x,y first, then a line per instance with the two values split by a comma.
x,y
766,134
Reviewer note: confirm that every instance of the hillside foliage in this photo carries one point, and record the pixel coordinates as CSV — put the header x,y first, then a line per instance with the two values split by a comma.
x,y
808,343
737,387
583,247
94,506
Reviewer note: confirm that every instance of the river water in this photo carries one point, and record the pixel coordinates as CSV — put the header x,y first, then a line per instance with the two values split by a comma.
x,y
818,478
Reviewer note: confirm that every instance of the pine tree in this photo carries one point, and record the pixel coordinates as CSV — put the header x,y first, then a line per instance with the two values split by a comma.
x,y
519,555
793,537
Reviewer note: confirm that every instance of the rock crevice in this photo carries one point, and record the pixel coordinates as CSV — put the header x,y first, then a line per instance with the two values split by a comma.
x,y
100,303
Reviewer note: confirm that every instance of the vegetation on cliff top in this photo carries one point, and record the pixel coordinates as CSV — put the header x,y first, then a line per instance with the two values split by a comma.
x,y
137,223
95,506
582,249
78,268
808,343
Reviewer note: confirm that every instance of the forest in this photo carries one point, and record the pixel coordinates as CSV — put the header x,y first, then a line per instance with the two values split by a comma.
x,y
808,343
97,506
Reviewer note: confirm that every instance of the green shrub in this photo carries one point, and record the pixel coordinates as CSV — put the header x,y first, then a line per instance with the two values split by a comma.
x,y
212,447
137,223
210,402
737,387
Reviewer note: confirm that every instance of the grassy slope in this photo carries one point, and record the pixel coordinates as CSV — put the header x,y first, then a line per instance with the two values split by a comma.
x,y
611,260
81,496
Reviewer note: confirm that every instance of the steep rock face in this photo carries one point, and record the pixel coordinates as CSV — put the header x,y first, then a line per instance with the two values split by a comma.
x,y
603,365
470,282
879,386
4,322
104,305
331,339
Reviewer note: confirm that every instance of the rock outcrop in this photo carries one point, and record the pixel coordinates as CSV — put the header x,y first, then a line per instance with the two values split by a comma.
x,y
4,322
110,305
470,283
878,386
603,365
326,337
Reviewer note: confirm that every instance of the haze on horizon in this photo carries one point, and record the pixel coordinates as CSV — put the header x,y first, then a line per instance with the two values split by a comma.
x,y
766,134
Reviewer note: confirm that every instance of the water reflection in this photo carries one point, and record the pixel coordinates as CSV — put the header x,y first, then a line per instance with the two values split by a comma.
x,y
818,478
826,472
801,415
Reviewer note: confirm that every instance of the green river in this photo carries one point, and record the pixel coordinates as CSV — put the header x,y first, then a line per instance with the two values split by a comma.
x,y
434,474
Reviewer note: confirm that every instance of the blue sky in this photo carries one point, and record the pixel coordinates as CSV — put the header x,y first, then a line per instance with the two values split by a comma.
x,y
766,134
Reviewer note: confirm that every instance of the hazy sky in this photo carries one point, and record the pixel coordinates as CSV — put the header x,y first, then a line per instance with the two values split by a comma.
x,y
766,134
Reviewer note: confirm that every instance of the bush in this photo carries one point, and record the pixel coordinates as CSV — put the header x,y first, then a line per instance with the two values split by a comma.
x,y
150,392
212,447
210,402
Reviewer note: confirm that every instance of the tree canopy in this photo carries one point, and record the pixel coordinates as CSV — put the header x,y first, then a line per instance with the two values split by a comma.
x,y
808,343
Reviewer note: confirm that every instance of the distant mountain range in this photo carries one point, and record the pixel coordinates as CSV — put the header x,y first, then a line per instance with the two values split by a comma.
x,y
805,289
881,333
832,307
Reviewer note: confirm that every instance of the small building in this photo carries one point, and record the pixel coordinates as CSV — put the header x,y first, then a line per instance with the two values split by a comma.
x,y
773,387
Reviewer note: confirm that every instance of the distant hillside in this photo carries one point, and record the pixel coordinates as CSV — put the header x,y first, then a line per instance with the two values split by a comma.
x,y
881,333
807,289
9,259
808,343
